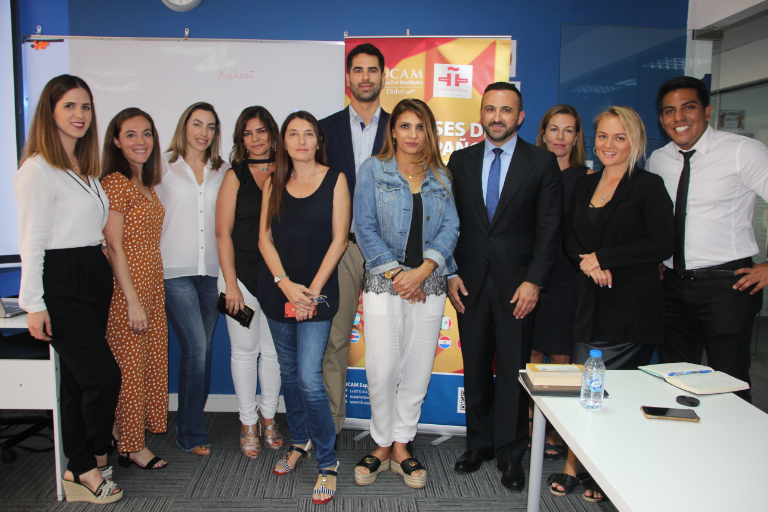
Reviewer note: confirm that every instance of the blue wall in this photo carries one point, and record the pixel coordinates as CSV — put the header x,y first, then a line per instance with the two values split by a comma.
x,y
533,23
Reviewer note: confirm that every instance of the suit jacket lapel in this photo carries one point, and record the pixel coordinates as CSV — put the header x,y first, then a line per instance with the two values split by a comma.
x,y
380,129
519,168
474,176
345,136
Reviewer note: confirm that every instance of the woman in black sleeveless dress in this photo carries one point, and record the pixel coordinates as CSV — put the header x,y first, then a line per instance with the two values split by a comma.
x,y
304,232
560,132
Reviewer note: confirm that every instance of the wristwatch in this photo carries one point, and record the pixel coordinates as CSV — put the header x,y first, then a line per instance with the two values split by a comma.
x,y
390,274
280,277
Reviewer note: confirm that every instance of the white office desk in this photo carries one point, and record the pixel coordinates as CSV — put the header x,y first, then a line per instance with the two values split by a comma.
x,y
33,384
651,465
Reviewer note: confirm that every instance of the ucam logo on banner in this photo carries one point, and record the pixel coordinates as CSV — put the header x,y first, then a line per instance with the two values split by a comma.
x,y
450,75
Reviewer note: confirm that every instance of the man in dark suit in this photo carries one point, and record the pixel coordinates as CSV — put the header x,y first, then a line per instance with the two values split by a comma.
x,y
352,135
509,196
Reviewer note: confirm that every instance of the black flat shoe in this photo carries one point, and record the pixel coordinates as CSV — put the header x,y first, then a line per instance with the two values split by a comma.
x,y
471,461
512,475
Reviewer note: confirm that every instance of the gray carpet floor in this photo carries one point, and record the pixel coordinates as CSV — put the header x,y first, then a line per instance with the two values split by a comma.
x,y
226,480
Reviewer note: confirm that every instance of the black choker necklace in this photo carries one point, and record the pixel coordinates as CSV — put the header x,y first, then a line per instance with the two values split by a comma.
x,y
253,161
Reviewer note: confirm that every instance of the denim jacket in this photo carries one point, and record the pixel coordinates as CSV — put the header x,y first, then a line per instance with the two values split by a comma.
x,y
383,205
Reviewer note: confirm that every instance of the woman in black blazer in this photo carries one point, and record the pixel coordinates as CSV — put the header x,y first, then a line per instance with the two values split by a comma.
x,y
618,228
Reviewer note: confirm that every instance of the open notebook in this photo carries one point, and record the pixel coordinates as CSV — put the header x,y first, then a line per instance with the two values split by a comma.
x,y
704,381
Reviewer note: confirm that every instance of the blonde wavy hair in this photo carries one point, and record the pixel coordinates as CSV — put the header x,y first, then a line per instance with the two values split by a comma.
x,y
634,128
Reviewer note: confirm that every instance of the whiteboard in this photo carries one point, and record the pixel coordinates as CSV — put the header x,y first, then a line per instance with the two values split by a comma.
x,y
164,76
9,240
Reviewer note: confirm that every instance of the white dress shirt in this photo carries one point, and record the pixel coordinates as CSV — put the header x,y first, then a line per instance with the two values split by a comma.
x,y
363,136
57,210
727,171
188,243
506,158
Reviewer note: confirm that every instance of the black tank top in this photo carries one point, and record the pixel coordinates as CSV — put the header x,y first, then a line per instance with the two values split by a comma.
x,y
302,236
414,253
245,231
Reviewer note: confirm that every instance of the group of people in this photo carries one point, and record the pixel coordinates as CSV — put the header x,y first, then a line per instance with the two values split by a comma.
x,y
537,253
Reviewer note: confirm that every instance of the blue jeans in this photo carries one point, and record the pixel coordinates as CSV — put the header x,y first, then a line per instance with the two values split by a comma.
x,y
190,302
300,348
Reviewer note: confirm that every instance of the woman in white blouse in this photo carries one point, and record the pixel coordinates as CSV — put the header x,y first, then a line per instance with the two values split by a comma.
x,y
192,174
66,281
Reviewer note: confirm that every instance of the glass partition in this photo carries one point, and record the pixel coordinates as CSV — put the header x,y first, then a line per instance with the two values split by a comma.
x,y
604,65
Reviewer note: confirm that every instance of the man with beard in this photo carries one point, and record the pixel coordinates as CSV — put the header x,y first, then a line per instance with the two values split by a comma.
x,y
509,196
352,135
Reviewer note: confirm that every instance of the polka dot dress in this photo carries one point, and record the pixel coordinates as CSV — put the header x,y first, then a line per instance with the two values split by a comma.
x,y
143,358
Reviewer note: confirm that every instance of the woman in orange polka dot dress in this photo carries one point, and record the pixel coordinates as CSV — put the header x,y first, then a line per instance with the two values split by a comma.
x,y
137,331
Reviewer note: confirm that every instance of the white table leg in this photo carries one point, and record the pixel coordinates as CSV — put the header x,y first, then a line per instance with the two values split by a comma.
x,y
58,447
537,459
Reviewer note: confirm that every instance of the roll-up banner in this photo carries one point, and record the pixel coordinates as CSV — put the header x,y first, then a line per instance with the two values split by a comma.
x,y
450,75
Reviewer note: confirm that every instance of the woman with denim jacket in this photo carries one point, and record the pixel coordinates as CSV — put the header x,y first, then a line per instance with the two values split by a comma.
x,y
406,226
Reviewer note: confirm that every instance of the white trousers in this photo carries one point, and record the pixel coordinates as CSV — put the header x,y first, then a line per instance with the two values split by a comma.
x,y
400,344
247,344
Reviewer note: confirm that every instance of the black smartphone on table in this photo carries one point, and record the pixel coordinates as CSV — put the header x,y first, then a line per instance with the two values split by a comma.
x,y
668,413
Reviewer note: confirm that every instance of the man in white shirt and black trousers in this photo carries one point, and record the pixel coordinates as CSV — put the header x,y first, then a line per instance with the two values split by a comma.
x,y
712,290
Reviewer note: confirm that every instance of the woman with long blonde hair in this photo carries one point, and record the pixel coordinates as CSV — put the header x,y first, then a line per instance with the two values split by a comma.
x,y
193,172
407,227
560,132
618,228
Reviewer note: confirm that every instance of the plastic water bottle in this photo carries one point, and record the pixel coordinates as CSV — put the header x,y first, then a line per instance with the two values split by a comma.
x,y
592,381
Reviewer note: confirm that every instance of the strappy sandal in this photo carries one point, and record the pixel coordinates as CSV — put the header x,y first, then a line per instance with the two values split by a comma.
x,y
106,492
567,482
323,479
374,465
125,461
283,463
406,468
106,472
251,448
274,439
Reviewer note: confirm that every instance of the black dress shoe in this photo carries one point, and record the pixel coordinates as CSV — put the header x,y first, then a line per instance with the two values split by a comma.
x,y
512,475
471,461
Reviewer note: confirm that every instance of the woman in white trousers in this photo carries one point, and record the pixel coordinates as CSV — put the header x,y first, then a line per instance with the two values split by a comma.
x,y
238,214
406,226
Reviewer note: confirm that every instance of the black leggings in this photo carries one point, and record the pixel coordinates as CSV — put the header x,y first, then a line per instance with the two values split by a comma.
x,y
78,290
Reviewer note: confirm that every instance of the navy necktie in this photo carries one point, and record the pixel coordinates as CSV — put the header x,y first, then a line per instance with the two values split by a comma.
x,y
492,189
681,203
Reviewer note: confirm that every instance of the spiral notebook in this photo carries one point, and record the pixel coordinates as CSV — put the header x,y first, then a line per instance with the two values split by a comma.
x,y
695,378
